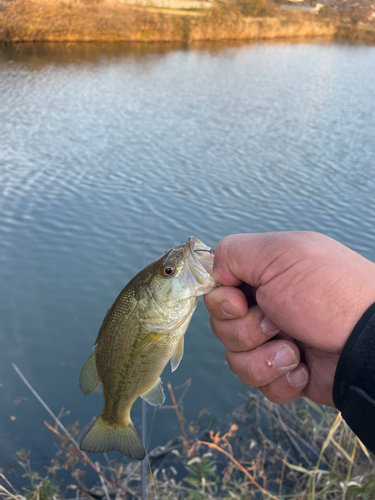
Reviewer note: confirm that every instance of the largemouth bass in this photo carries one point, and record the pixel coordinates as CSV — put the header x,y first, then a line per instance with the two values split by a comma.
x,y
142,331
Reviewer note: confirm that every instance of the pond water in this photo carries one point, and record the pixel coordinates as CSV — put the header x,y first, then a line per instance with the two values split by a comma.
x,y
111,154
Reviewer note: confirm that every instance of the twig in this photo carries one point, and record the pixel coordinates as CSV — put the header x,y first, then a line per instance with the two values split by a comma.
x,y
7,482
239,466
87,461
84,489
336,424
81,454
186,386
8,494
104,486
287,430
47,408
282,474
179,418
349,469
160,451
78,452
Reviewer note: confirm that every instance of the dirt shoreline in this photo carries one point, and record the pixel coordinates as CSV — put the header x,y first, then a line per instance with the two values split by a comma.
x,y
101,21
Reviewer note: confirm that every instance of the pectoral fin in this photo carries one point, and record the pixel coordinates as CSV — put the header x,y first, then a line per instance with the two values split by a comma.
x,y
177,356
145,345
155,396
89,379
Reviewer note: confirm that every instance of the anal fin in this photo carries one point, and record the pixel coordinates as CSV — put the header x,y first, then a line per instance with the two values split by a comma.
x,y
155,396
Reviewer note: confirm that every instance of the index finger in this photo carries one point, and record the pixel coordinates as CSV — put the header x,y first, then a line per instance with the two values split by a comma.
x,y
245,257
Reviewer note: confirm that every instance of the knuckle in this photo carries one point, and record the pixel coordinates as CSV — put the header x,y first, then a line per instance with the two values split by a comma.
x,y
210,303
222,248
241,338
228,359
309,245
275,395
213,326
257,378
274,398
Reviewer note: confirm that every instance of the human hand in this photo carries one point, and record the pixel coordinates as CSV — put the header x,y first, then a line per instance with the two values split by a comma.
x,y
303,290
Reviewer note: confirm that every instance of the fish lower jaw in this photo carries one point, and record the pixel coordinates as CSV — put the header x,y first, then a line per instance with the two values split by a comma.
x,y
201,285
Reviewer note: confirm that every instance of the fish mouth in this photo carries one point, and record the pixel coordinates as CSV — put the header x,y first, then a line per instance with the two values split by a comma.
x,y
201,253
199,262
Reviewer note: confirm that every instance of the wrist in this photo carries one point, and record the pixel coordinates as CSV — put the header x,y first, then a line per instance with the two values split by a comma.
x,y
354,382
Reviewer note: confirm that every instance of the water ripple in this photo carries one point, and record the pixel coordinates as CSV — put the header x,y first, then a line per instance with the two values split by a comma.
x,y
110,156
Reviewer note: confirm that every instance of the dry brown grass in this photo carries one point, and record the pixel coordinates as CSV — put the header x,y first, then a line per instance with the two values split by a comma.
x,y
108,21
225,25
298,451
70,20
99,20
356,32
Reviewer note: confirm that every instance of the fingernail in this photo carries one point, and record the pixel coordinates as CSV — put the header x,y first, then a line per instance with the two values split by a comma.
x,y
268,327
297,376
229,310
285,357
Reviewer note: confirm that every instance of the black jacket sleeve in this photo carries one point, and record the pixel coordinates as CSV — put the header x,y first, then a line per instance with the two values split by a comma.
x,y
354,384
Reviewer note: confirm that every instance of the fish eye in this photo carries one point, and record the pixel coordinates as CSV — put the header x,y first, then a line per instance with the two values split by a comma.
x,y
168,270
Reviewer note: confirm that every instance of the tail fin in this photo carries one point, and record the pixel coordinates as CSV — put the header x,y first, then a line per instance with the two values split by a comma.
x,y
103,437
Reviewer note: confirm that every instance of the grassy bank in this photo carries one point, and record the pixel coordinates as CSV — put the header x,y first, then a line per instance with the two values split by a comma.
x,y
263,451
98,20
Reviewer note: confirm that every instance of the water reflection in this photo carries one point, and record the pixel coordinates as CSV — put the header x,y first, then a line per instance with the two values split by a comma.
x,y
38,55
